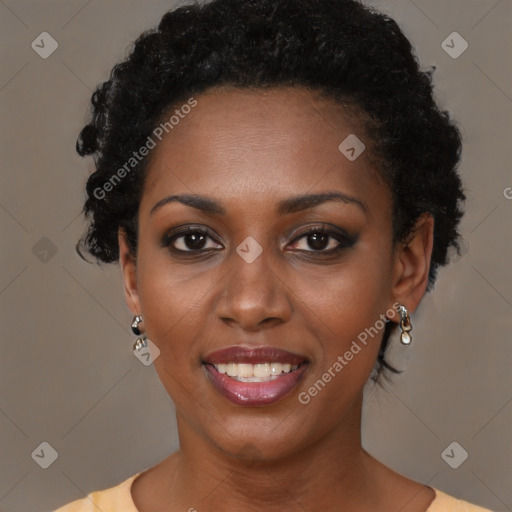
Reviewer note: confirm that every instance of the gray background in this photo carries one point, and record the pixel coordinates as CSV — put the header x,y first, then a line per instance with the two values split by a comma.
x,y
67,372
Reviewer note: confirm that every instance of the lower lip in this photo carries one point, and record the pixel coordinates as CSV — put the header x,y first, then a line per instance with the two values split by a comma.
x,y
254,393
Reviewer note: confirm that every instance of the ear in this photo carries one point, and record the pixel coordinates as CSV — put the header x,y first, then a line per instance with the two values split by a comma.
x,y
412,263
129,269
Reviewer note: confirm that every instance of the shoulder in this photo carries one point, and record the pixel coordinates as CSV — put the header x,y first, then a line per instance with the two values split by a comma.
x,y
445,503
106,500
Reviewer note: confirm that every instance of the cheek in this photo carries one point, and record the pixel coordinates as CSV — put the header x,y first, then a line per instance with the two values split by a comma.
x,y
173,309
173,306
344,309
348,297
347,324
344,314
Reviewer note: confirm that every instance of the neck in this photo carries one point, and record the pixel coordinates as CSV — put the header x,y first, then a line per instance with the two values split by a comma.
x,y
333,473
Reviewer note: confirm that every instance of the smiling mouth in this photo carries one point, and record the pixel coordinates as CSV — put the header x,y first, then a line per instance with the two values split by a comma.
x,y
254,376
259,372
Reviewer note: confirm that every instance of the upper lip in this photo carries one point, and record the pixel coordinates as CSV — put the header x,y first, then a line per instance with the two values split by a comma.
x,y
253,355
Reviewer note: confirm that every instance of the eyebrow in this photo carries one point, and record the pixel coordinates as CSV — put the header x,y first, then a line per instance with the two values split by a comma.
x,y
286,206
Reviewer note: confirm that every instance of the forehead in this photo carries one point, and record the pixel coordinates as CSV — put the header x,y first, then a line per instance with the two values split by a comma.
x,y
259,145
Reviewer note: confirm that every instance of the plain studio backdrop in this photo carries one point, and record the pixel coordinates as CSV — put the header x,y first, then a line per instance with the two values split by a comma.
x,y
67,372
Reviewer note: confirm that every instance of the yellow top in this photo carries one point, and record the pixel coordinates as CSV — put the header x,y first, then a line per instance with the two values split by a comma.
x,y
119,498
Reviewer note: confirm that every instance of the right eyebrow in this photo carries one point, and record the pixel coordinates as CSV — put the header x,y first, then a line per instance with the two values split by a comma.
x,y
202,203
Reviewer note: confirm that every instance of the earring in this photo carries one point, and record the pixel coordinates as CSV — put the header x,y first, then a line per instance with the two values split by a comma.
x,y
405,325
135,324
141,341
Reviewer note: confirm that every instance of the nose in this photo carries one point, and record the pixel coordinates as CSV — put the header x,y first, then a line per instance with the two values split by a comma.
x,y
253,296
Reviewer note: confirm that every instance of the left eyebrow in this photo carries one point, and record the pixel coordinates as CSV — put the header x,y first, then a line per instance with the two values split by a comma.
x,y
303,202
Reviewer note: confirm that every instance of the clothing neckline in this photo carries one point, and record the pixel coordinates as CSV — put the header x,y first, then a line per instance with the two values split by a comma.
x,y
129,482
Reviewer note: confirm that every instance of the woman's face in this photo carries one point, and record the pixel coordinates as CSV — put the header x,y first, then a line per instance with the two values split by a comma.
x,y
306,276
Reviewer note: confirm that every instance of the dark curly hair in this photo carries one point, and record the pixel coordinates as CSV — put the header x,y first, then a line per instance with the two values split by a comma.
x,y
341,48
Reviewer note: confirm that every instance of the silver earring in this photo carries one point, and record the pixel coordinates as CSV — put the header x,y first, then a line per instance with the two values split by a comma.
x,y
135,324
405,325
141,340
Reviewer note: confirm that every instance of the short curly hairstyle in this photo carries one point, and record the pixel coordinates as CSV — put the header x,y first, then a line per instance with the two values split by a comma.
x,y
343,49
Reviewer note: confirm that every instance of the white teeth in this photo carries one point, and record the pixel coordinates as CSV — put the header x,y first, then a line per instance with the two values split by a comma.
x,y
245,370
232,369
276,368
260,372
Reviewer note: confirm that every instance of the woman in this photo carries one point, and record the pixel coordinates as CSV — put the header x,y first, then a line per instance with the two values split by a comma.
x,y
280,189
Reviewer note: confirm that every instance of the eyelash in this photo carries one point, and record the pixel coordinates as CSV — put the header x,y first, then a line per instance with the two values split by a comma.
x,y
345,241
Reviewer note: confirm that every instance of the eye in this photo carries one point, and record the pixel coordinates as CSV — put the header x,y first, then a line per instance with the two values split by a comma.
x,y
323,240
191,240
317,239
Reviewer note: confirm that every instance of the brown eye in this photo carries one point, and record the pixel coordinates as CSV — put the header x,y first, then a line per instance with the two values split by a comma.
x,y
322,240
318,241
190,240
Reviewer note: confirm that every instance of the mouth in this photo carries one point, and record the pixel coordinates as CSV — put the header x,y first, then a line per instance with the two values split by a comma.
x,y
256,376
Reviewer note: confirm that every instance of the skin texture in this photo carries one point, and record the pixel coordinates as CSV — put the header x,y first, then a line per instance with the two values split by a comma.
x,y
249,150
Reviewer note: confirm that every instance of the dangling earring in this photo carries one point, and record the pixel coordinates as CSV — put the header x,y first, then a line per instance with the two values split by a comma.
x,y
405,325
141,341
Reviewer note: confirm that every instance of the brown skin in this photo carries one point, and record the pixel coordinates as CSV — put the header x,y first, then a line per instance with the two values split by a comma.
x,y
248,150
